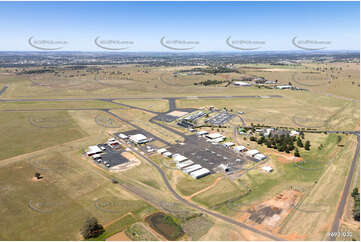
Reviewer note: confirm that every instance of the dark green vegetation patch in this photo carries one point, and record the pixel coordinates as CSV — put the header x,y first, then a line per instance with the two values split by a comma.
x,y
166,225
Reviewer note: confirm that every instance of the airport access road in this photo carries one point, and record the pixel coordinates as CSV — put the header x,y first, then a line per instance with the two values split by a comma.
x,y
214,214
332,236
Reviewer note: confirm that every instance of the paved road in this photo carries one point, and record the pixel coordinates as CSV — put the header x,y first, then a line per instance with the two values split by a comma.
x,y
134,107
217,215
3,90
172,104
168,128
346,191
129,98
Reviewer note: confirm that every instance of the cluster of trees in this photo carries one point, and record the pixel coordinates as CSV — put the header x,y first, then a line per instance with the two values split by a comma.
x,y
219,69
283,143
36,71
211,70
209,82
307,144
356,209
91,228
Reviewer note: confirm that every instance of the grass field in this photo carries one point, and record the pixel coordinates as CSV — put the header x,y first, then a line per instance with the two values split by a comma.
x,y
224,190
139,232
56,105
55,207
25,132
115,228
326,191
187,185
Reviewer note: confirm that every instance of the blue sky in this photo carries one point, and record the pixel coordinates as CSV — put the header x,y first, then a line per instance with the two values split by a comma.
x,y
208,23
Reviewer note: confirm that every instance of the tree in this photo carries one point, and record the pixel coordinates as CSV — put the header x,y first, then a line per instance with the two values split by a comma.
x,y
297,153
355,192
37,175
356,210
91,228
299,142
302,134
307,145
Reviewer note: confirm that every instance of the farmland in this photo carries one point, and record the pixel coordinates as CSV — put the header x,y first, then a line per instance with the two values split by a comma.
x,y
49,119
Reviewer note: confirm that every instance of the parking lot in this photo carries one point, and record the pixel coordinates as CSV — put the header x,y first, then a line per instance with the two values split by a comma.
x,y
111,155
208,155
166,117
221,118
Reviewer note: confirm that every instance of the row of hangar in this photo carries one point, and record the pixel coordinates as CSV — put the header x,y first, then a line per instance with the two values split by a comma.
x,y
217,138
187,166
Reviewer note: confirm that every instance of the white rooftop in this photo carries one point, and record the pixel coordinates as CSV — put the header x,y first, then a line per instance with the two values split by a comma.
x,y
122,136
229,144
200,173
215,136
202,132
192,168
294,132
162,150
167,154
184,164
284,87
260,156
223,166
252,152
93,150
239,148
241,83
179,158
96,156
267,168
138,138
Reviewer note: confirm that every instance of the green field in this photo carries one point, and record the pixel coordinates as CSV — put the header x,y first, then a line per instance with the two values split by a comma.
x,y
26,132
225,190
187,185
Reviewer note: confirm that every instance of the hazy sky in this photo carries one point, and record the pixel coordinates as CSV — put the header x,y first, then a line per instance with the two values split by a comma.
x,y
269,25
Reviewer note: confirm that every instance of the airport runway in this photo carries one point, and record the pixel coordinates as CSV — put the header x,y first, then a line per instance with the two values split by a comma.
x,y
130,98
